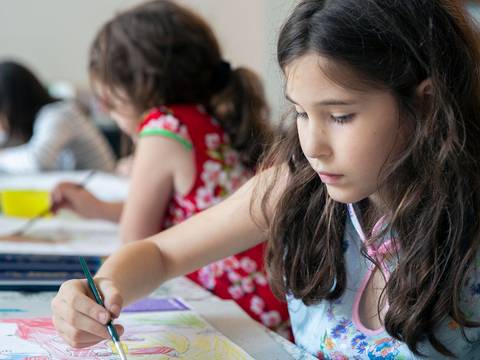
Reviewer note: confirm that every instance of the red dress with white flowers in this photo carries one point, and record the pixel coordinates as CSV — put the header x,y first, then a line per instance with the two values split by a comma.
x,y
219,172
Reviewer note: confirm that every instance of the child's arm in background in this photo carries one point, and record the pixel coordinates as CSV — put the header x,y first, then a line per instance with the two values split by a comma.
x,y
155,167
138,268
151,186
72,196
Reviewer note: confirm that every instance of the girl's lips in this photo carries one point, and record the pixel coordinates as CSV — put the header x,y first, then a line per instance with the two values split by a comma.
x,y
329,179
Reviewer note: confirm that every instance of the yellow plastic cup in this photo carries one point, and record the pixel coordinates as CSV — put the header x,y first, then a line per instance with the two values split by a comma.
x,y
24,203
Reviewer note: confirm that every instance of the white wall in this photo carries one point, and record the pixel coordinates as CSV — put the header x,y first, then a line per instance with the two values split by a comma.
x,y
53,36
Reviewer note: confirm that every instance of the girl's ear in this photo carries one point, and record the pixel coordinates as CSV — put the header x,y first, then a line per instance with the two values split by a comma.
x,y
423,95
424,89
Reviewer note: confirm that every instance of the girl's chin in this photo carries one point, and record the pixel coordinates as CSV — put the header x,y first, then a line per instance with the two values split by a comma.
x,y
343,196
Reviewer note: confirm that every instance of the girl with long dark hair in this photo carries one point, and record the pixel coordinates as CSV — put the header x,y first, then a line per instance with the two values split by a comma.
x,y
370,202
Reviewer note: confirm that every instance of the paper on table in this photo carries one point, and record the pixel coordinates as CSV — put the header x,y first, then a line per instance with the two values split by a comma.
x,y
170,334
59,236
103,185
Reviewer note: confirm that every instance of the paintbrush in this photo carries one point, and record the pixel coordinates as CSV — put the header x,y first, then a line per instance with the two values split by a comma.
x,y
111,329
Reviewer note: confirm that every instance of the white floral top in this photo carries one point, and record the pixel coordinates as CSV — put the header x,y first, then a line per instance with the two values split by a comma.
x,y
333,329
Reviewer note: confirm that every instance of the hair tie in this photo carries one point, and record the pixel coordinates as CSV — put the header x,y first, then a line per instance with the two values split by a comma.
x,y
221,76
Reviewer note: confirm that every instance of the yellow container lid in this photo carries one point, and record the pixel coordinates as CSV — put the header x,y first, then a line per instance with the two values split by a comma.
x,y
24,203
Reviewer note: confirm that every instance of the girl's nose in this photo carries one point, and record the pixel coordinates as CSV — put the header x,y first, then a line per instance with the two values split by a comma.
x,y
316,143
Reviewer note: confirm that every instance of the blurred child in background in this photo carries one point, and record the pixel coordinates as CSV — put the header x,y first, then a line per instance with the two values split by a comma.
x,y
39,133
199,128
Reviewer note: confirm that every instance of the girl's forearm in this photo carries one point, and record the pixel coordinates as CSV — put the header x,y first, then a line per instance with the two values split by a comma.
x,y
140,267
111,211
136,270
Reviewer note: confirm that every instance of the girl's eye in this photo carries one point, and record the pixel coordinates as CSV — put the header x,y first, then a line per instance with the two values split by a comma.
x,y
342,119
301,115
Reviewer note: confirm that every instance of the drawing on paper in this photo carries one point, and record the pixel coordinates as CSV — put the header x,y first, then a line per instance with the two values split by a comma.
x,y
159,335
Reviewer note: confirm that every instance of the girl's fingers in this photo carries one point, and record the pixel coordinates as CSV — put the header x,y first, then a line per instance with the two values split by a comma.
x,y
73,336
72,295
61,195
78,318
80,321
79,338
112,299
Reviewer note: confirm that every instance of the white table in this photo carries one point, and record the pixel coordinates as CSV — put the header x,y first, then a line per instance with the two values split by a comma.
x,y
225,315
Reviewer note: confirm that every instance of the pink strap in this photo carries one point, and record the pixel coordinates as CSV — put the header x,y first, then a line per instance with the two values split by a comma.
x,y
373,251
378,253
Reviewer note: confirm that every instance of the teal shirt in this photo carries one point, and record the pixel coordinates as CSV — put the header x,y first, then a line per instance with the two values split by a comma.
x,y
332,329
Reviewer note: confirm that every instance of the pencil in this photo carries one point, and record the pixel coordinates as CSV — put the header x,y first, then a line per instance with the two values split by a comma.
x,y
111,329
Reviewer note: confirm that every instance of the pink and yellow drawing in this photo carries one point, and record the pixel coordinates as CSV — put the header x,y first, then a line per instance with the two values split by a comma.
x,y
167,335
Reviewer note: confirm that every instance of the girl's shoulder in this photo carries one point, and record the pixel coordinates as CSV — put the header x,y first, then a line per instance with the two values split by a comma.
x,y
173,116
184,123
160,121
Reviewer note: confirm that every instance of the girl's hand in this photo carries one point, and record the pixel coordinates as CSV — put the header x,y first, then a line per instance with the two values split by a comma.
x,y
124,166
72,196
79,319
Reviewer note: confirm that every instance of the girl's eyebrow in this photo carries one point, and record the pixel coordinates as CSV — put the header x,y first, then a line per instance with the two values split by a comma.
x,y
326,102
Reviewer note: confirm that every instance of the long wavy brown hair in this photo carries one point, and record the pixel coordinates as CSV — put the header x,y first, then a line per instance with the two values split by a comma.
x,y
160,53
433,198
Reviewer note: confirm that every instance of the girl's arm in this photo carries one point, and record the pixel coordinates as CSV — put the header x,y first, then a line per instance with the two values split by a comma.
x,y
157,159
151,186
218,232
138,268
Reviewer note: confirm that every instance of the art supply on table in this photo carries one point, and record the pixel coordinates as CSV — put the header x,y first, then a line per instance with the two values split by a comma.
x,y
60,236
30,222
11,310
28,272
156,304
111,329
48,209
24,203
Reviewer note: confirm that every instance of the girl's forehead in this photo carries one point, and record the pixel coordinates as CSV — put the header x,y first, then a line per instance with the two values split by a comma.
x,y
312,76
308,78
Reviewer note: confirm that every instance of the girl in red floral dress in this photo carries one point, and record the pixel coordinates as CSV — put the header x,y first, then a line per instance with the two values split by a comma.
x,y
199,129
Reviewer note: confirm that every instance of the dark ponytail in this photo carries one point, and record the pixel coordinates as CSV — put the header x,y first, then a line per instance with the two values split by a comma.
x,y
243,113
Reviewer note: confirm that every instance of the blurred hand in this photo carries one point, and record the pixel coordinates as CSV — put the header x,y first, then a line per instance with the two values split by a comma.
x,y
80,321
72,196
124,166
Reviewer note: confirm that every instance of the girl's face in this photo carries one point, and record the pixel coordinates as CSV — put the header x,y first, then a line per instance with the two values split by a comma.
x,y
347,136
121,111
